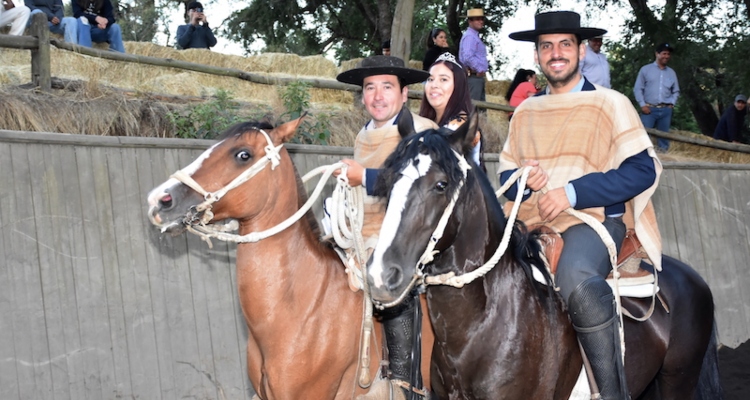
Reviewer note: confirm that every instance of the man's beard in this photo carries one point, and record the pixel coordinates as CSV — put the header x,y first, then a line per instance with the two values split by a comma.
x,y
560,81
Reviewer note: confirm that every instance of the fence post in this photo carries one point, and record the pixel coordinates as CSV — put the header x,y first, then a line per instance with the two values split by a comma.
x,y
40,57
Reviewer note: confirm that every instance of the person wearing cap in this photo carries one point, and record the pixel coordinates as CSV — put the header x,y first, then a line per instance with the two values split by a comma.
x,y
594,65
472,53
384,81
96,23
656,90
730,125
586,144
196,34
386,47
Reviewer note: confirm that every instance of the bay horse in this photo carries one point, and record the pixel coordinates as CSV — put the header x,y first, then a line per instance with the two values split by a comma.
x,y
303,320
507,336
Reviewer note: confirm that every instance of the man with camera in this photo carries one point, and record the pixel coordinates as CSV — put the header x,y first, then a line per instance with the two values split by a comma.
x,y
196,34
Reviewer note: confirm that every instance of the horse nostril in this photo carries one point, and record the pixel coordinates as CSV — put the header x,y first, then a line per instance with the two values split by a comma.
x,y
393,277
166,202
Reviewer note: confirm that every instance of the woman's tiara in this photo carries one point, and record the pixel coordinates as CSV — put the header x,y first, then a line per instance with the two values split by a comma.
x,y
448,57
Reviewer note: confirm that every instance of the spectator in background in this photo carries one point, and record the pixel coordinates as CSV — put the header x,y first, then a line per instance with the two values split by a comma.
x,y
437,44
386,47
472,54
594,65
17,16
58,22
96,23
196,34
656,91
731,122
522,87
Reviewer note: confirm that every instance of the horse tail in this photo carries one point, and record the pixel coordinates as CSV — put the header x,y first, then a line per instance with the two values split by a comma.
x,y
709,384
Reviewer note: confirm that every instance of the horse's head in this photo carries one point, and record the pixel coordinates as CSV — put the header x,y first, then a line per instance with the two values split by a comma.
x,y
422,178
232,179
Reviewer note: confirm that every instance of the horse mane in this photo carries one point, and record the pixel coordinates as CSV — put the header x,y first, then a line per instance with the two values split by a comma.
x,y
431,141
524,245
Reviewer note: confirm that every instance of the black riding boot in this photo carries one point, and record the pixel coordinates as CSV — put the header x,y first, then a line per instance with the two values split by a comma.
x,y
402,338
592,310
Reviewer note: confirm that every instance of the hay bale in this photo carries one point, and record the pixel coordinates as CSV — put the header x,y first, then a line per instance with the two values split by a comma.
x,y
498,88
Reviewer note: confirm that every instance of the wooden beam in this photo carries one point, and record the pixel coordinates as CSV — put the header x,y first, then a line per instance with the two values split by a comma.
x,y
716,144
18,42
40,57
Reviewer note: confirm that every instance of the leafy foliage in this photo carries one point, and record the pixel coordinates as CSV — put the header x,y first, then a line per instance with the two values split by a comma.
x,y
296,99
206,120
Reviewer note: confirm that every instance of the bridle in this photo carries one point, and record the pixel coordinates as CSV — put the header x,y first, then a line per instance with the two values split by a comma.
x,y
201,213
421,279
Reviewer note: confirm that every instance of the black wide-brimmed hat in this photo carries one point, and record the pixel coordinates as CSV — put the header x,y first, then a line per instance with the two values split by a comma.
x,y
557,22
382,65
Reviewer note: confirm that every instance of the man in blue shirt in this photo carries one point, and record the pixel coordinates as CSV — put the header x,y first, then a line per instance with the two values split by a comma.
x,y
656,91
473,54
594,65
729,128
196,34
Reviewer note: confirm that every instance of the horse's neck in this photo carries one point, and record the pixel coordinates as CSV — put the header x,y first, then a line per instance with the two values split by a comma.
x,y
289,269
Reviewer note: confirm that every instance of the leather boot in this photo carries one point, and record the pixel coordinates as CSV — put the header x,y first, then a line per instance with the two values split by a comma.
x,y
401,337
592,310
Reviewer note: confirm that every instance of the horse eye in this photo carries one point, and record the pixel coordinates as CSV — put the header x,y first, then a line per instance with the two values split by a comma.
x,y
441,186
243,155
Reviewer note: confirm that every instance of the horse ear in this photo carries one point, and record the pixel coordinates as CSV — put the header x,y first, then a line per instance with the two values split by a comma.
x,y
286,131
405,122
462,139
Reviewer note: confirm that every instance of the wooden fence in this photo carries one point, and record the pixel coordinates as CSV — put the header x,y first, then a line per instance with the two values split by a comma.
x,y
96,304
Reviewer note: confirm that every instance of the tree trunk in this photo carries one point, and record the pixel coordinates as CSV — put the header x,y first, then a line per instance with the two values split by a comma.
x,y
401,30
385,19
455,8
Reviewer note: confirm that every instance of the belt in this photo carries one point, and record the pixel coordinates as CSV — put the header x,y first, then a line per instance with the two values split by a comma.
x,y
660,105
479,74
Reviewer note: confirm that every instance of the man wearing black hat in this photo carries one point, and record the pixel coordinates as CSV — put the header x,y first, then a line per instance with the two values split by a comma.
x,y
384,94
586,144
656,91
196,34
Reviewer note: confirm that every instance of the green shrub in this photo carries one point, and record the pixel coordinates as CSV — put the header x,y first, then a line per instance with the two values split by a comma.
x,y
314,129
206,120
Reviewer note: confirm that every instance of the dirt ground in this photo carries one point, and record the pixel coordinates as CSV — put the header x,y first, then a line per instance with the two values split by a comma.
x,y
734,370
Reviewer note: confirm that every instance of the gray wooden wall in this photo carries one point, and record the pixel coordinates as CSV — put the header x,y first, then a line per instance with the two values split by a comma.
x,y
96,304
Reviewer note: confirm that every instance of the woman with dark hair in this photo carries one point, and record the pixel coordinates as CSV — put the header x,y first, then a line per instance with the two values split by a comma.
x,y
437,44
447,100
522,87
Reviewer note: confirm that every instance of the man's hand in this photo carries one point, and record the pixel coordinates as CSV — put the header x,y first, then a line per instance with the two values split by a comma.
x,y
538,177
55,20
195,18
101,22
646,110
552,204
354,172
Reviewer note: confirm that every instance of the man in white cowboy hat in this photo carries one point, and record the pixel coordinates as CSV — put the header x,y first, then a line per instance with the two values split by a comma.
x,y
384,81
594,65
587,143
472,53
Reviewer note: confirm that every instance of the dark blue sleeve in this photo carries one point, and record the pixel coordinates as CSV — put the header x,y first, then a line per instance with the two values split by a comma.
x,y
512,191
184,33
602,189
210,38
371,176
108,12
733,124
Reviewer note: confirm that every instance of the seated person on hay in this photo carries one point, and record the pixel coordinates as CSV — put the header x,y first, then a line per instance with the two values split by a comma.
x,y
196,34
96,23
56,19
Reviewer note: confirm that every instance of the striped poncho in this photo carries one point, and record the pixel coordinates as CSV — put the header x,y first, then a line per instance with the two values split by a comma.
x,y
577,133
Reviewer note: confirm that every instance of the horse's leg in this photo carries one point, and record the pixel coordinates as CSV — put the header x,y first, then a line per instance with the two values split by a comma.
x,y
692,318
